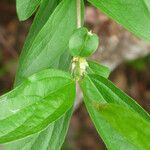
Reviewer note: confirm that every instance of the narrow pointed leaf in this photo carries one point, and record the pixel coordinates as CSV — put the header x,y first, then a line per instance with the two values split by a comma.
x,y
105,91
132,14
25,8
50,42
43,14
98,91
32,106
96,68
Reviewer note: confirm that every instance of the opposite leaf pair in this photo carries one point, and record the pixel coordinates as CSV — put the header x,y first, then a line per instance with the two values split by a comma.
x,y
39,100
46,96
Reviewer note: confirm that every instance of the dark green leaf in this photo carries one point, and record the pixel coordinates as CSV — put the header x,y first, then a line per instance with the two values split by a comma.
x,y
95,68
25,8
97,91
132,14
32,106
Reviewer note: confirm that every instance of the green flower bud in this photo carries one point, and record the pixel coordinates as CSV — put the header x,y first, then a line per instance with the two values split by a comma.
x,y
83,43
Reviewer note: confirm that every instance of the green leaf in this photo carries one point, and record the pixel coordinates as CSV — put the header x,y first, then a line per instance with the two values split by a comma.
x,y
97,91
132,14
25,8
50,42
60,126
96,68
127,123
49,139
41,99
43,14
107,92
147,3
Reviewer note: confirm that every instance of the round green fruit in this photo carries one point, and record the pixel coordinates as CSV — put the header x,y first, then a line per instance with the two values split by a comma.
x,y
83,43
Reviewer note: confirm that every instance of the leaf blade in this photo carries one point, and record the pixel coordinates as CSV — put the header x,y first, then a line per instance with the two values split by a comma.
x,y
133,15
53,43
40,92
113,140
147,3
98,90
46,139
95,68
26,8
128,123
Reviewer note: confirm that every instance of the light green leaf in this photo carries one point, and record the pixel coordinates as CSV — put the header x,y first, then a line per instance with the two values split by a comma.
x,y
25,8
147,3
127,123
98,90
41,99
104,91
50,42
132,14
43,14
96,68
49,139
112,139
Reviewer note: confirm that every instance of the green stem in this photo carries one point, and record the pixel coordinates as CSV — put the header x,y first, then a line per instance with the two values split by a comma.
x,y
78,13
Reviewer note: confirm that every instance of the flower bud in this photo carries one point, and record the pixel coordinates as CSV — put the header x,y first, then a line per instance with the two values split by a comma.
x,y
83,43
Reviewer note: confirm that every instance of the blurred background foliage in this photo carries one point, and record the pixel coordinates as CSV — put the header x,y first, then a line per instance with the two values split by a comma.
x,y
131,76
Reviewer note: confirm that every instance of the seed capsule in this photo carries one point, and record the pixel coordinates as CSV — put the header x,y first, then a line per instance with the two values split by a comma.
x,y
83,43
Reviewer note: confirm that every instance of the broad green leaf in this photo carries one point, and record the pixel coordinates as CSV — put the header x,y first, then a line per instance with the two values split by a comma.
x,y
98,90
49,139
127,123
41,99
132,14
25,8
95,68
50,42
